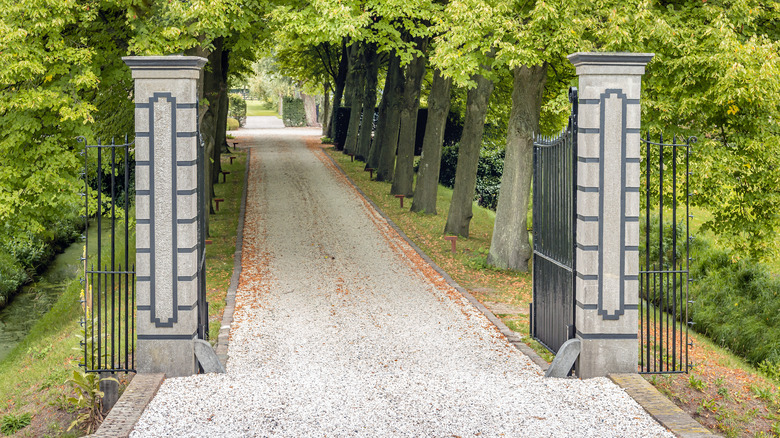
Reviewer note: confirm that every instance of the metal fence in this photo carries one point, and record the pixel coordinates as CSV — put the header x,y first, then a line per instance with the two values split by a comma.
x,y
109,276
664,257
554,234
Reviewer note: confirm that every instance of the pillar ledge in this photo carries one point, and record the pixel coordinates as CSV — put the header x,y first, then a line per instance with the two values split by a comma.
x,y
610,63
171,66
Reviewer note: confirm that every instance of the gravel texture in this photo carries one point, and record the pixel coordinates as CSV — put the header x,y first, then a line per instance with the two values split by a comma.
x,y
341,329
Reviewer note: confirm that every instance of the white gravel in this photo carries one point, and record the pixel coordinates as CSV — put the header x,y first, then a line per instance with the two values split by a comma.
x,y
339,332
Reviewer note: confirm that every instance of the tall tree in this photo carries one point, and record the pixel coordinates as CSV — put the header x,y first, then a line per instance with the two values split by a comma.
x,y
460,213
380,136
356,84
410,103
509,248
425,192
369,102
387,137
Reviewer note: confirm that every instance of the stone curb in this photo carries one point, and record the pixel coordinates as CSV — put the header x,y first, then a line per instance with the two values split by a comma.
x,y
657,405
128,409
230,299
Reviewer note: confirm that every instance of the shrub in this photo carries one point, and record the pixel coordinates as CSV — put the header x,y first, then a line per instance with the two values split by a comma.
x,y
453,129
12,277
735,302
237,108
232,124
10,423
23,255
293,113
422,122
489,171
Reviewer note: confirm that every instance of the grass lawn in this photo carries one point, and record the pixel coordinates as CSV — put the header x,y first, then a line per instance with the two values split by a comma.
x,y
259,108
722,392
32,377
222,233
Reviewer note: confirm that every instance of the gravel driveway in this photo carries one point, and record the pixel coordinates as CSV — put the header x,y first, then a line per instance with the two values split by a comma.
x,y
342,330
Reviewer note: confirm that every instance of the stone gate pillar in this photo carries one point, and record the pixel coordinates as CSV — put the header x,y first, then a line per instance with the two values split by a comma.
x,y
166,99
607,246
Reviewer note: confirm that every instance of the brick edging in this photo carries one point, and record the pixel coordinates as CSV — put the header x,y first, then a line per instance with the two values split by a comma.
x,y
512,337
223,339
659,407
128,409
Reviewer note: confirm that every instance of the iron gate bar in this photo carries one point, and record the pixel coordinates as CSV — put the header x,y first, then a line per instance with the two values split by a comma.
x,y
102,343
554,234
655,279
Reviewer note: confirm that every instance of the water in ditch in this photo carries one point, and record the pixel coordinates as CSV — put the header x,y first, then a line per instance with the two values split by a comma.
x,y
38,297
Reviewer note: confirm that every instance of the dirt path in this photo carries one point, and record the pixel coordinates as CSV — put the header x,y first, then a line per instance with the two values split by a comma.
x,y
342,330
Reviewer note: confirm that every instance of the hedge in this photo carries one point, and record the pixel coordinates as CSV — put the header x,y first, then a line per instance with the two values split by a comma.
x,y
735,302
237,108
489,171
340,126
293,113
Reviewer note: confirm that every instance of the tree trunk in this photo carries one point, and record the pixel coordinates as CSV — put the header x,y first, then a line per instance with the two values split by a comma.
x,y
358,86
212,79
403,180
388,141
510,248
369,102
341,79
374,154
326,113
224,101
459,216
430,163
310,109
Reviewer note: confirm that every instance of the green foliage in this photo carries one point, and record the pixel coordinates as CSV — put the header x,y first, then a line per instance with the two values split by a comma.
x,y
736,302
714,76
10,423
771,369
232,124
489,170
696,383
293,113
87,399
25,253
237,108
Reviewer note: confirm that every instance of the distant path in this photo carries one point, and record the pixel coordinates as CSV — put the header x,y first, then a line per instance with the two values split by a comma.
x,y
263,122
341,329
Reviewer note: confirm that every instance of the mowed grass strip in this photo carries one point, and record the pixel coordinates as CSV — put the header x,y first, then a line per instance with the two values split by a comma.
x,y
223,225
260,108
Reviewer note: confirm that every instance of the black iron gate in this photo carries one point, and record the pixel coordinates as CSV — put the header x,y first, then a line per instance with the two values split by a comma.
x,y
109,272
664,258
203,305
554,234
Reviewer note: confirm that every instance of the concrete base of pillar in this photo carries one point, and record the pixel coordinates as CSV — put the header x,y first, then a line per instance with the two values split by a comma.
x,y
600,357
175,358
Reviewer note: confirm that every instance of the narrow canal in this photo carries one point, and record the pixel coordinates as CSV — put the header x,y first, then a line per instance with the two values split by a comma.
x,y
38,297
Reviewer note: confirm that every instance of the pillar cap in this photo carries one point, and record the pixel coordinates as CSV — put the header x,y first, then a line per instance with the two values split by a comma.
x,y
171,66
610,63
